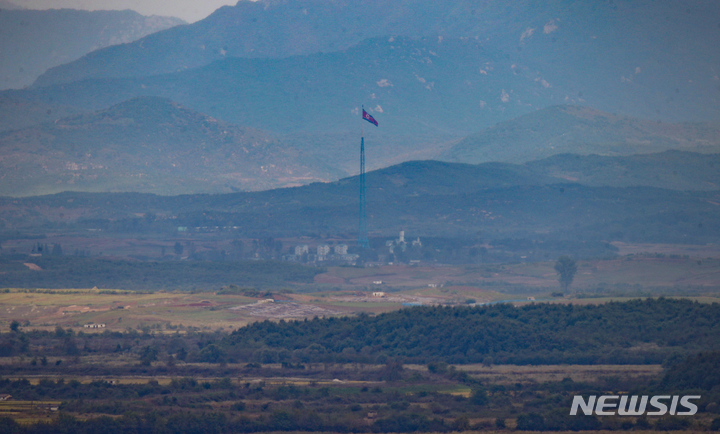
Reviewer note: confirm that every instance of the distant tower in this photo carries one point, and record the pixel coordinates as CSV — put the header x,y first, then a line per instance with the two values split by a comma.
x,y
362,230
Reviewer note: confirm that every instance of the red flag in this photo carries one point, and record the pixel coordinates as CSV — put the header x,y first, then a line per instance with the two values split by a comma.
x,y
369,118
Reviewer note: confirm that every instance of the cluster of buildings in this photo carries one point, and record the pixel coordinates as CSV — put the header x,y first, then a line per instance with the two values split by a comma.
x,y
321,253
401,244
339,253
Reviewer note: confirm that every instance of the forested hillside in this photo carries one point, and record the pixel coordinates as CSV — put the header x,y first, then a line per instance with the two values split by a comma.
x,y
634,332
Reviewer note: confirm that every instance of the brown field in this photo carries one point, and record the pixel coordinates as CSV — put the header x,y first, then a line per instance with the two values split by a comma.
x,y
171,312
348,290
643,271
511,374
496,374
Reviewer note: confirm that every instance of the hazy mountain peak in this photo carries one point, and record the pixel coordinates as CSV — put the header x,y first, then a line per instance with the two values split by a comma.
x,y
150,144
7,5
144,110
580,130
31,41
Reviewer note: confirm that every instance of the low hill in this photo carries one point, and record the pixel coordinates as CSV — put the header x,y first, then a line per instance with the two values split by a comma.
x,y
677,170
580,130
31,41
149,145
423,198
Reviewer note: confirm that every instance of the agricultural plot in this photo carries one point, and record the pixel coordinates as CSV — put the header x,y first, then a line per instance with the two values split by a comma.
x,y
284,310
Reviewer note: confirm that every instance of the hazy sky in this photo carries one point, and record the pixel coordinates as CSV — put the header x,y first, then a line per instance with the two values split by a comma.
x,y
188,10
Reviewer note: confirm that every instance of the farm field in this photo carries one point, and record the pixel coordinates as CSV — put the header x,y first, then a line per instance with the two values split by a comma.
x,y
344,370
349,290
164,312
634,272
365,396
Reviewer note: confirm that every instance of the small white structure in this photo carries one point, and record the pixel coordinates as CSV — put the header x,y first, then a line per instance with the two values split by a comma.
x,y
299,250
341,249
323,250
94,326
377,282
378,294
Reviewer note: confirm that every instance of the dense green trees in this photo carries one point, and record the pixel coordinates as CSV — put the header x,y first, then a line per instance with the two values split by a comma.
x,y
698,372
532,334
410,400
635,332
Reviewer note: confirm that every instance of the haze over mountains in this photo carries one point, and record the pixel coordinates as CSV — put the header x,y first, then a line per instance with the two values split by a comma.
x,y
149,144
32,41
649,59
424,198
580,130
463,81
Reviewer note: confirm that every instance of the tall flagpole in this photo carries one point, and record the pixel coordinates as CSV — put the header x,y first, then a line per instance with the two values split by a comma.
x,y
362,229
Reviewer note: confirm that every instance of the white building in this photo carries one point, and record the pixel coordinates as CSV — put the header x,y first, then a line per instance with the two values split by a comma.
x,y
301,249
323,250
341,249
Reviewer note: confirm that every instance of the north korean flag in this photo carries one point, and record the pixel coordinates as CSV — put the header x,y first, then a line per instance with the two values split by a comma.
x,y
369,118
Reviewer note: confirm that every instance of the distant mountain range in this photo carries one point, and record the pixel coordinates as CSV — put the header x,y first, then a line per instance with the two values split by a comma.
x,y
643,58
5,4
464,81
16,112
149,144
31,41
580,130
154,145
675,170
414,87
425,198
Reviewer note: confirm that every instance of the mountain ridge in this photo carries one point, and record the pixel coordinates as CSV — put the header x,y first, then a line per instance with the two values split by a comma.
x,y
31,41
577,50
580,130
149,144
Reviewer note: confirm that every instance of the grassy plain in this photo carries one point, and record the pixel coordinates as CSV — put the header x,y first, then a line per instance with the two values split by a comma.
x,y
348,290
636,272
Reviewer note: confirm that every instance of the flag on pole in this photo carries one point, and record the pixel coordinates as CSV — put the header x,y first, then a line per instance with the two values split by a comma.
x,y
369,118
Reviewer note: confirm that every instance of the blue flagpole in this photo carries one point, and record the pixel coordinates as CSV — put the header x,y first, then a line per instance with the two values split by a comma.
x,y
362,226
